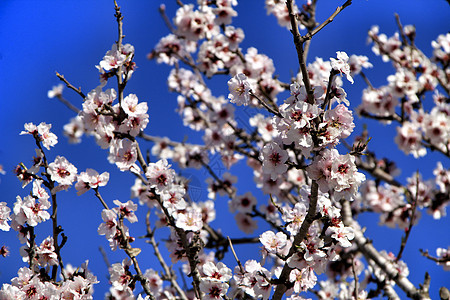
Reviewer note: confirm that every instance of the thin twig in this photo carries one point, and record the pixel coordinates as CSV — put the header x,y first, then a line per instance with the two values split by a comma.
x,y
369,251
235,256
400,28
330,19
284,277
68,104
271,110
70,86
162,12
355,292
167,271
411,220
97,194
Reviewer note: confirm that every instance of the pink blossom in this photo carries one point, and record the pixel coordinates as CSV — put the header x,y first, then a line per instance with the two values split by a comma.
x,y
46,254
216,272
409,139
272,242
444,254
126,210
191,219
31,211
108,228
239,89
273,160
123,153
4,216
90,179
243,203
154,280
294,217
173,198
245,223
160,175
303,279
342,234
213,290
340,64
42,133
56,91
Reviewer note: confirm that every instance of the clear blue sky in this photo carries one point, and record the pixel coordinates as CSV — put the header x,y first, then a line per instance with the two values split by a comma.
x,y
71,37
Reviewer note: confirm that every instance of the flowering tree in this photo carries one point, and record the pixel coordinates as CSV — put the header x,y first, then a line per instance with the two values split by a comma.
x,y
312,178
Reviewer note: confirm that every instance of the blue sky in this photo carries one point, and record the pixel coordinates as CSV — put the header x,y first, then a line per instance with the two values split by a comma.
x,y
71,37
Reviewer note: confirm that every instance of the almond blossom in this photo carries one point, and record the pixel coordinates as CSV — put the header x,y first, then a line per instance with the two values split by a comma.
x,y
90,179
4,216
213,290
273,158
273,242
42,133
30,210
216,272
126,210
191,219
160,175
108,228
62,171
341,64
239,90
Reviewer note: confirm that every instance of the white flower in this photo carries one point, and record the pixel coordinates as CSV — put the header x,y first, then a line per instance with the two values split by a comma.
x,y
31,211
56,91
214,290
90,179
154,280
42,131
108,228
62,171
244,203
4,216
191,219
342,234
294,217
273,242
303,279
160,176
273,159
124,154
126,210
131,106
245,223
340,64
239,89
219,272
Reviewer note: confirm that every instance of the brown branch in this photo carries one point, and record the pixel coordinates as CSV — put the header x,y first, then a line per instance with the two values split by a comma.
x,y
369,252
68,104
411,220
235,256
298,42
330,19
355,292
266,106
400,28
366,79
168,272
299,237
442,260
381,282
70,86
162,12
377,172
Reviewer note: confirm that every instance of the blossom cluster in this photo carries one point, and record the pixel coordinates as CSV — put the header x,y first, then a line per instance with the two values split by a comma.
x,y
310,187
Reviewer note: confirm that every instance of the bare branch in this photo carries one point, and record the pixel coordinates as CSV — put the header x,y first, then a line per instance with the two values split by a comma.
x,y
70,86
